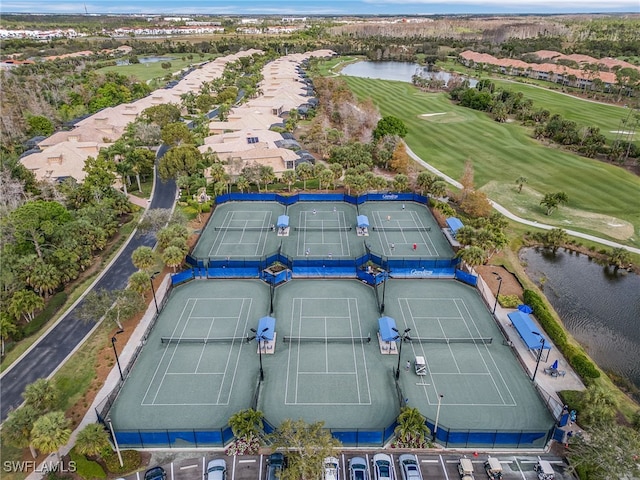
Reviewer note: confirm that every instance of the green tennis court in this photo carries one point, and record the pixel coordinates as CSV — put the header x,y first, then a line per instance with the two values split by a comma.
x,y
326,370
404,230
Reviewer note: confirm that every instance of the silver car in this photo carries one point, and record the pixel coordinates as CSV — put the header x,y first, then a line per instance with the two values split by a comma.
x,y
217,469
358,469
382,468
409,467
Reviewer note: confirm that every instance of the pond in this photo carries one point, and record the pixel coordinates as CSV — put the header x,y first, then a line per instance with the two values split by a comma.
x,y
145,60
400,71
600,307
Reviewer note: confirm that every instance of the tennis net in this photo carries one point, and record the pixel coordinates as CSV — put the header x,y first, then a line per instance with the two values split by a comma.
x,y
401,229
201,340
244,229
323,229
366,339
477,341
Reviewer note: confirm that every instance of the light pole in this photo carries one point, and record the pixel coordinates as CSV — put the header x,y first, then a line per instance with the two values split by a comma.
x,y
533,379
151,277
495,305
115,352
402,338
435,426
260,338
115,441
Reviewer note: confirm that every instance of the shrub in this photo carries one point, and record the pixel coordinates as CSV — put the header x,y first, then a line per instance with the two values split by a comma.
x,y
206,208
584,367
130,458
86,468
509,301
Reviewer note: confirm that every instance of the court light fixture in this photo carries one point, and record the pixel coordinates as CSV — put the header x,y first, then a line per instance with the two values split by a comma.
x,y
260,338
153,290
115,352
533,379
495,305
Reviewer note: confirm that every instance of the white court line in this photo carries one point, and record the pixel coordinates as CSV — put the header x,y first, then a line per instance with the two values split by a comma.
x,y
235,370
493,360
419,223
142,403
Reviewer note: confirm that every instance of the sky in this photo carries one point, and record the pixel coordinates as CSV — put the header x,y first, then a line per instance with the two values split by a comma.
x,y
320,7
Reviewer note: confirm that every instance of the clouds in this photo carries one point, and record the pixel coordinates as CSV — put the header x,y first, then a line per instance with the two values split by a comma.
x,y
321,7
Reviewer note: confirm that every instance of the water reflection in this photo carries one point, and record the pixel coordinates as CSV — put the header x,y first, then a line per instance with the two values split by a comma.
x,y
400,71
599,305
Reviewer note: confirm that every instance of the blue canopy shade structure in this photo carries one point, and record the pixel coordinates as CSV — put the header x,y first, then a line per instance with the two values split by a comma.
x,y
454,224
387,332
525,308
526,328
266,328
283,221
363,221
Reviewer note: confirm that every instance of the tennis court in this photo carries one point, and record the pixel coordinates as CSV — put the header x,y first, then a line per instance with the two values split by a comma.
x,y
404,230
244,229
323,367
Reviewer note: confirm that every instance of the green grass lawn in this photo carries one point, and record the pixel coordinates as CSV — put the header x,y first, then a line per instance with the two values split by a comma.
x,y
503,152
148,71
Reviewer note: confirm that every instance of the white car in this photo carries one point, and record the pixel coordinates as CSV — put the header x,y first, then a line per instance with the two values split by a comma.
x,y
409,467
331,468
382,467
217,469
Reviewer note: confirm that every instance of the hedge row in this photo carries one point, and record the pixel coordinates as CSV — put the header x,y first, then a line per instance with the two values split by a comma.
x,y
579,361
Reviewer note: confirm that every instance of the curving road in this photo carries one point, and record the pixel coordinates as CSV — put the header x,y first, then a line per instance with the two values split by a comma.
x,y
515,218
49,353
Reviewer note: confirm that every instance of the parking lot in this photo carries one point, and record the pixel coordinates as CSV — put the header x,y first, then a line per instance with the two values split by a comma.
x,y
432,466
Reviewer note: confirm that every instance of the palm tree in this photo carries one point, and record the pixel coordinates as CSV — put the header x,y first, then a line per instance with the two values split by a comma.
x,y
43,278
336,170
424,181
267,176
25,303
555,238
7,328
42,395
438,188
472,256
173,257
289,177
326,176
400,182
50,432
619,257
242,183
411,429
304,171
92,440
140,282
552,200
16,429
520,181
246,423
144,258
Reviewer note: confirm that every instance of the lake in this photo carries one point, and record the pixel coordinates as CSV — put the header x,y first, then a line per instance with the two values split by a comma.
x,y
399,71
146,60
599,307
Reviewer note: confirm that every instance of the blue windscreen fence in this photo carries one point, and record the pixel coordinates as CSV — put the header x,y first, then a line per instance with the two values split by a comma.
x,y
467,278
321,197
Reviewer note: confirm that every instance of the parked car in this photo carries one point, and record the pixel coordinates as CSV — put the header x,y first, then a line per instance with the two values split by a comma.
x,y
217,469
331,468
382,468
155,473
275,465
409,467
493,468
544,470
465,469
358,469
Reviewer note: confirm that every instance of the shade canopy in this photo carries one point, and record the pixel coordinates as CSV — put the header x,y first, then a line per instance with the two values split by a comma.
x,y
528,330
363,221
283,221
266,328
525,308
387,326
454,224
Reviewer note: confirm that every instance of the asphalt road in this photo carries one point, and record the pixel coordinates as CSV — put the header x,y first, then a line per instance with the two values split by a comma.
x,y
48,354
432,466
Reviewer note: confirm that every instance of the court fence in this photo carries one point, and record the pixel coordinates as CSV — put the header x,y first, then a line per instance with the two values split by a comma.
x,y
321,197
